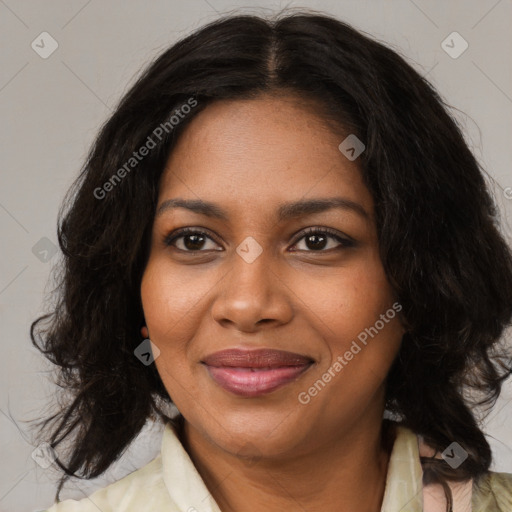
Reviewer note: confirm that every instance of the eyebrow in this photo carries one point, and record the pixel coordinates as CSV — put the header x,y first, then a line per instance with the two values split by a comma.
x,y
285,211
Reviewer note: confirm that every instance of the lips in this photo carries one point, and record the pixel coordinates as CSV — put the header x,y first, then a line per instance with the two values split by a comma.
x,y
252,373
261,358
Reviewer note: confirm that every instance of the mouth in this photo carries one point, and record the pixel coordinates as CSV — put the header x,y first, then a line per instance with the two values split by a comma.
x,y
252,373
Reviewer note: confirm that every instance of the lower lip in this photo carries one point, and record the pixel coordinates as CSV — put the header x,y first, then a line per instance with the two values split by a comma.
x,y
244,382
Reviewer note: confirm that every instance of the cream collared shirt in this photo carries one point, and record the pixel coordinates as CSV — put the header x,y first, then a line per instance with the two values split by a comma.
x,y
171,483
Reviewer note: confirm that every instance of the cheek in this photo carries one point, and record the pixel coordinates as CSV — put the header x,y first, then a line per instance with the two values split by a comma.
x,y
348,301
354,314
171,298
173,301
165,313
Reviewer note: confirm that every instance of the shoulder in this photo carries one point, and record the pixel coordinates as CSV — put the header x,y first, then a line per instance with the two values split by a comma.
x,y
493,491
140,491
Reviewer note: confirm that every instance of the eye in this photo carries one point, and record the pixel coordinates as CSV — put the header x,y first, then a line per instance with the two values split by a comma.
x,y
193,239
316,240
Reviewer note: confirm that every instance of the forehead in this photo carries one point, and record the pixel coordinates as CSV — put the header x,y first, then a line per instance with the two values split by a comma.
x,y
261,152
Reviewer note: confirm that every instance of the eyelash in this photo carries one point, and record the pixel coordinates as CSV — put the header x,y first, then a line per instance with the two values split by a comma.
x,y
345,242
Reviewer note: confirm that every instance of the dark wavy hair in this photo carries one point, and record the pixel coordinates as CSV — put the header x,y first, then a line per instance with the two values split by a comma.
x,y
437,223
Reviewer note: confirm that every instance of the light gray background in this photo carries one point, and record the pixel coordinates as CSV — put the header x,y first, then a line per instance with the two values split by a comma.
x,y
52,108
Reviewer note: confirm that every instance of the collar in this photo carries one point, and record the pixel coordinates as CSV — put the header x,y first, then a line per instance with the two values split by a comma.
x,y
404,484
189,492
184,483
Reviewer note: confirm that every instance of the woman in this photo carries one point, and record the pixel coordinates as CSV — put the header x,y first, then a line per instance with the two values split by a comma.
x,y
282,232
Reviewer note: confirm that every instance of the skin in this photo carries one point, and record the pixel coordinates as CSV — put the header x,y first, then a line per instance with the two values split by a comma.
x,y
272,452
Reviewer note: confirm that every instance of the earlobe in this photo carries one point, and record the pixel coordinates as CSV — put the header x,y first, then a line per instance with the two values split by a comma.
x,y
144,331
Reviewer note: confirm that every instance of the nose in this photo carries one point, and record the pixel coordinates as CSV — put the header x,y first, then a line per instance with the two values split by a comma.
x,y
252,296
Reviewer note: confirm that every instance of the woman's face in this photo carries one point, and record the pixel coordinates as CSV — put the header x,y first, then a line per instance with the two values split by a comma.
x,y
258,280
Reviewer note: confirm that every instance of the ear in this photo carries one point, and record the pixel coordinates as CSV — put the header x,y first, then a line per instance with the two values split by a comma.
x,y
144,331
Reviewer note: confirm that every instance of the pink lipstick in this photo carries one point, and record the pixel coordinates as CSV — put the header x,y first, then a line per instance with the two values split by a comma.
x,y
252,373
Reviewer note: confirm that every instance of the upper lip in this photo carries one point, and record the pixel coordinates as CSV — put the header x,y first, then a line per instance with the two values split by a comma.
x,y
256,358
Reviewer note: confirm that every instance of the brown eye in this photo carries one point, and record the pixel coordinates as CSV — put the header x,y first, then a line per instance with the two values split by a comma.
x,y
191,240
317,239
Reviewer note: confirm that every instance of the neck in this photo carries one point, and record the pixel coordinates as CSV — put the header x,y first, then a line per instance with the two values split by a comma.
x,y
347,473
